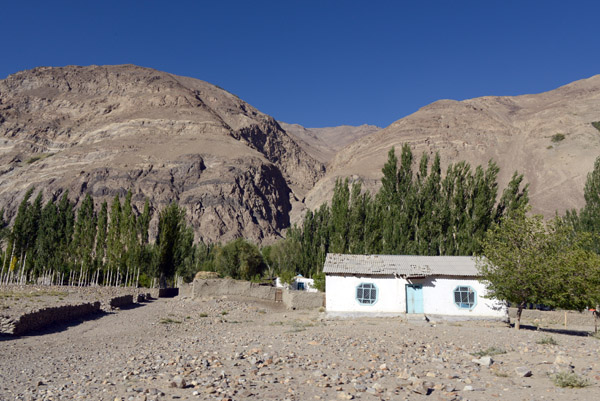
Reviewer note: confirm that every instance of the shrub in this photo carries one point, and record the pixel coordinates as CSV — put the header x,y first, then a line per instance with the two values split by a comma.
x,y
168,320
489,352
548,340
570,379
596,124
557,137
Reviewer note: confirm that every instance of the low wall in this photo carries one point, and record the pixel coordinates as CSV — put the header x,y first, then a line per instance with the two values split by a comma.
x,y
552,318
119,302
43,317
219,287
246,289
185,290
168,292
303,299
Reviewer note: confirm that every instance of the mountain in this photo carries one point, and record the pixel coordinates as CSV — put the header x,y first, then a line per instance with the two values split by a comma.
x,y
324,143
238,172
108,129
548,137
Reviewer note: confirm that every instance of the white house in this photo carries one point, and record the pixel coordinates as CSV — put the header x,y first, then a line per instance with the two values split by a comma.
x,y
440,286
300,283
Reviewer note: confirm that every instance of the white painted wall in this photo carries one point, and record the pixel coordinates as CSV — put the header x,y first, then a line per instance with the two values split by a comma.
x,y
438,296
340,294
309,284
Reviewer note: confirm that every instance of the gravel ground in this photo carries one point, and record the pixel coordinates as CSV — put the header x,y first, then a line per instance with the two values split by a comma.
x,y
230,350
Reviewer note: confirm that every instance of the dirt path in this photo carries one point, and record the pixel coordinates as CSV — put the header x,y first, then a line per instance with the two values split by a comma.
x,y
227,350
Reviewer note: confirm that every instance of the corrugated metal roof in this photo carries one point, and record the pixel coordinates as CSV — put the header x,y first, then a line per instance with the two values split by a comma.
x,y
400,265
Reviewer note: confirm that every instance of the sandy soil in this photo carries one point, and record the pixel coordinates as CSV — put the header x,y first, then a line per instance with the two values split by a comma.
x,y
229,350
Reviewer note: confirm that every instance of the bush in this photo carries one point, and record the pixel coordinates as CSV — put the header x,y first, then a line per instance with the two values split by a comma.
x,y
548,340
489,352
557,137
319,281
239,259
596,124
570,379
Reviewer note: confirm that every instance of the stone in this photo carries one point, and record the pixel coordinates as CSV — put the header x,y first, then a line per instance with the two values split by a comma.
x,y
178,382
523,371
484,361
563,360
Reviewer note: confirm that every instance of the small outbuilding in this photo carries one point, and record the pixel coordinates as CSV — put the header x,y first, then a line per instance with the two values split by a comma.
x,y
299,283
440,286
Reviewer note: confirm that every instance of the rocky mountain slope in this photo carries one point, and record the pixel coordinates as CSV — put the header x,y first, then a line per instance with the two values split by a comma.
x,y
548,137
324,143
107,129
237,171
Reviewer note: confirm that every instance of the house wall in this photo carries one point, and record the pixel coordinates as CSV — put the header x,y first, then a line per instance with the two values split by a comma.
x,y
438,296
340,294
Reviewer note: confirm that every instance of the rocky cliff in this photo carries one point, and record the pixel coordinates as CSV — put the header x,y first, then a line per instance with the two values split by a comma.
x,y
108,129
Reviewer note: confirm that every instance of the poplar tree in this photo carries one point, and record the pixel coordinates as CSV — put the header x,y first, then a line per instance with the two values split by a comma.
x,y
48,242
102,221
386,199
171,223
84,235
114,244
340,217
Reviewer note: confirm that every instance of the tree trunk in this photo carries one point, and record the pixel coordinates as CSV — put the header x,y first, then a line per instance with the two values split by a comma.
x,y
519,311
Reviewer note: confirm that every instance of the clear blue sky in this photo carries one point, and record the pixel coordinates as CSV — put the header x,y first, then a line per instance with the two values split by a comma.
x,y
320,63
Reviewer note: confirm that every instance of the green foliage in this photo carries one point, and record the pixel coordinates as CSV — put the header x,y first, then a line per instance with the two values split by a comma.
x,y
530,261
596,124
239,259
319,281
417,212
570,379
491,351
172,235
557,137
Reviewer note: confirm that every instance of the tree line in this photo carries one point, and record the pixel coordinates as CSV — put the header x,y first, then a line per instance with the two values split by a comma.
x,y
111,245
416,211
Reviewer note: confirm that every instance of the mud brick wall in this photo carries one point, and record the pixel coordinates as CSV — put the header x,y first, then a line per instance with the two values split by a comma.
x,y
119,302
41,318
245,289
219,287
303,300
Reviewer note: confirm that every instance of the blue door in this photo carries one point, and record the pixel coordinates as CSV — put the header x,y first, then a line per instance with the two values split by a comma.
x,y
414,298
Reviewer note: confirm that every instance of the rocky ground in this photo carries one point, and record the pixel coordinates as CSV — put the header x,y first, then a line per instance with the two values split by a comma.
x,y
230,350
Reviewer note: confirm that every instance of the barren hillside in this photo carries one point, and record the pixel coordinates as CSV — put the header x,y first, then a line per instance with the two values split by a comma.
x,y
107,129
517,132
324,143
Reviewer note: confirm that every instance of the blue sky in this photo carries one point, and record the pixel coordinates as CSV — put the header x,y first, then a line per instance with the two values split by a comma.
x,y
320,63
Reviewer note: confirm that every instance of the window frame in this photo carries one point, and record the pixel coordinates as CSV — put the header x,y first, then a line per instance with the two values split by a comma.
x,y
373,287
470,291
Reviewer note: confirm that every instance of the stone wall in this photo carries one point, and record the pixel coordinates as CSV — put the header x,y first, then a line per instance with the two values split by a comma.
x,y
43,317
303,300
246,289
219,287
119,302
